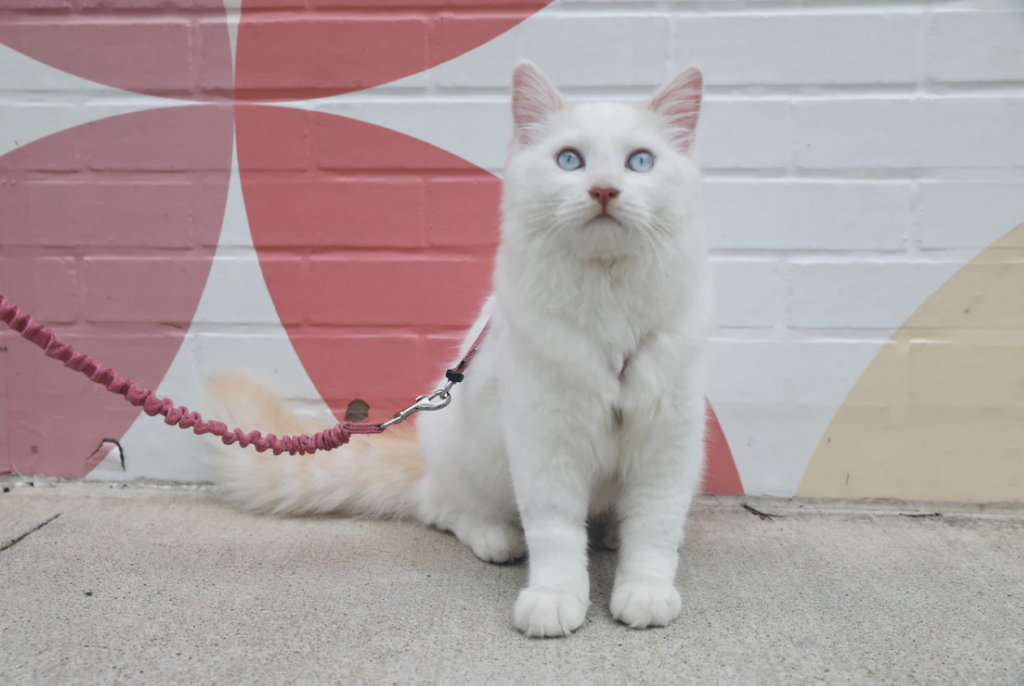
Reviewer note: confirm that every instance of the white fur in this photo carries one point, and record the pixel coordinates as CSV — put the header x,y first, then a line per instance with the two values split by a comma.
x,y
552,427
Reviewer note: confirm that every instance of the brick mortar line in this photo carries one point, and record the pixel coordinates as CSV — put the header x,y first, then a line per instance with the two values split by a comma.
x,y
102,96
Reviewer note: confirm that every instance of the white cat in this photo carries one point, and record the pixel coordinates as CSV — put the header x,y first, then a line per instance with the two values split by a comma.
x,y
586,399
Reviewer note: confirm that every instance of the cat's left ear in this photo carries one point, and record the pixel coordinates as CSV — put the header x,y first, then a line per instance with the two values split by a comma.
x,y
678,103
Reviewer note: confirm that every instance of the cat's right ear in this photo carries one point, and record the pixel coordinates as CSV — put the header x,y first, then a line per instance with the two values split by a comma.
x,y
534,99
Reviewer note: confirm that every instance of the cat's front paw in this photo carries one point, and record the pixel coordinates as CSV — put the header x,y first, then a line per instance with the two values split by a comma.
x,y
548,612
640,604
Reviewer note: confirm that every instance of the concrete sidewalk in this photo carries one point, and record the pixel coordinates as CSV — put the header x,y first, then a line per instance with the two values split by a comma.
x,y
151,585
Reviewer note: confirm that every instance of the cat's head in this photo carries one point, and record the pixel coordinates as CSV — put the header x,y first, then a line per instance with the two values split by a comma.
x,y
601,179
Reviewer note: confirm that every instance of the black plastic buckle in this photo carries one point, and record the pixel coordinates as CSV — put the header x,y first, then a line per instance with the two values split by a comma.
x,y
454,376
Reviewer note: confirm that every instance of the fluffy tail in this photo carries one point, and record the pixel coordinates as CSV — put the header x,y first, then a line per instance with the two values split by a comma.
x,y
372,476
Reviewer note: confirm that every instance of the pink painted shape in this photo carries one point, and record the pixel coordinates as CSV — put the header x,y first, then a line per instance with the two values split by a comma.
x,y
344,250
172,55
297,54
115,255
6,338
720,476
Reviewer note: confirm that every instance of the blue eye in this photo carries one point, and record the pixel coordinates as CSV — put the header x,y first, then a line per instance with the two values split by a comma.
x,y
569,160
640,161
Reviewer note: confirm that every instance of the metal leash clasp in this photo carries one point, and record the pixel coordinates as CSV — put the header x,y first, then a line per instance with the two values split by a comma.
x,y
438,400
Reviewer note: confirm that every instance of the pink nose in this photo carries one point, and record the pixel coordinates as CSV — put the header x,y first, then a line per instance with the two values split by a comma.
x,y
604,194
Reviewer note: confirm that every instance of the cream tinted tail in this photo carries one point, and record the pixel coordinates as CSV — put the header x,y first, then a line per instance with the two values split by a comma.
x,y
372,476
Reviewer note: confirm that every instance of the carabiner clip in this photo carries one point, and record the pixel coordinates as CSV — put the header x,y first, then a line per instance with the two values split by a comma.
x,y
438,400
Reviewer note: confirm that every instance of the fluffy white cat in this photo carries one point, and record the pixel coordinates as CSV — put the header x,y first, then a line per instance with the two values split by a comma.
x,y
586,398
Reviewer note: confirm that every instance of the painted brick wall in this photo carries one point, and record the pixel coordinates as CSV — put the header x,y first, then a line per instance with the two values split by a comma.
x,y
857,154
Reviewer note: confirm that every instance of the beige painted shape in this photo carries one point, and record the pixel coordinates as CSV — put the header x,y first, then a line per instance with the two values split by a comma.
x,y
939,413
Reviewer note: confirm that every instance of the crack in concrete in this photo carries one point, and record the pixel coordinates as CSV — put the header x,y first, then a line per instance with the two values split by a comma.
x,y
115,443
763,515
15,541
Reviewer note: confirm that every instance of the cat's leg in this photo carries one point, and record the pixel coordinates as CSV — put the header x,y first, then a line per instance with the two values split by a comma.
x,y
663,455
551,453
553,499
656,496
500,542
467,489
488,527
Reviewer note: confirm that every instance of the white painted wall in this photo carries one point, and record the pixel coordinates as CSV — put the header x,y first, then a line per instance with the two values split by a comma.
x,y
857,154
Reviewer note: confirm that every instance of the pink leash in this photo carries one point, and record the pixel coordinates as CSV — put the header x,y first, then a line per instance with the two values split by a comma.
x,y
152,405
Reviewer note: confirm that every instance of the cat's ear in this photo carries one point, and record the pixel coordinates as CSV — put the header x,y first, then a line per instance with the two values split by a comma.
x,y
678,103
534,99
